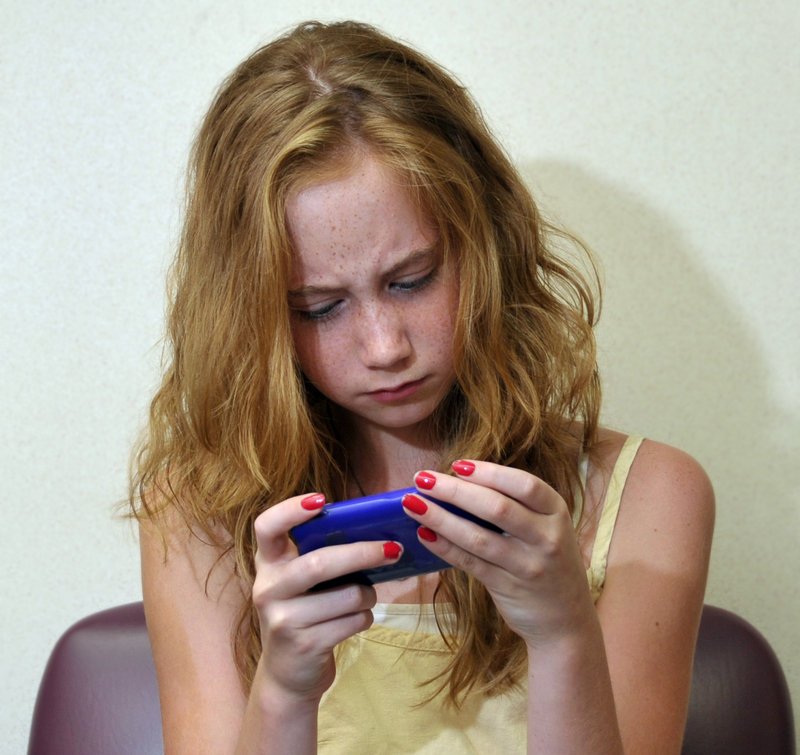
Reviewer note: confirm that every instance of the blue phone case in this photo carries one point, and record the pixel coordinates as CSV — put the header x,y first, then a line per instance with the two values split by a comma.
x,y
375,517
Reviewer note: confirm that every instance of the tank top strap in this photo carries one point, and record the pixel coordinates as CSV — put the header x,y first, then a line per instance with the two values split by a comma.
x,y
580,486
608,519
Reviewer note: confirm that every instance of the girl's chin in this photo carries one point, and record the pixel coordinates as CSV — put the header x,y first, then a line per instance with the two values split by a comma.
x,y
391,418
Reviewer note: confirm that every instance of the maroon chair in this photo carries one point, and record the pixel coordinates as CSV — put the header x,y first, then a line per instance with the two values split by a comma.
x,y
99,691
740,704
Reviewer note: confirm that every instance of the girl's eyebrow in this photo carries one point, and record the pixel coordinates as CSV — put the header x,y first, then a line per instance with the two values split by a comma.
x,y
420,255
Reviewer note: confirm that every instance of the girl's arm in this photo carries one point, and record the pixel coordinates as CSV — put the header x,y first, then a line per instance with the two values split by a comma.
x,y
192,602
189,623
602,679
655,585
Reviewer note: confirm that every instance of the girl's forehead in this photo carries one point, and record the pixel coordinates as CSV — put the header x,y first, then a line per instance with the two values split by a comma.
x,y
361,224
357,161
368,198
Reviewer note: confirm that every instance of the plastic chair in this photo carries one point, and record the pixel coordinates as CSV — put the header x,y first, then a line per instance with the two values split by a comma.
x,y
99,692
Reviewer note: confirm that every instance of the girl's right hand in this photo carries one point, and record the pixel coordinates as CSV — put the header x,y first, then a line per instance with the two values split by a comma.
x,y
299,629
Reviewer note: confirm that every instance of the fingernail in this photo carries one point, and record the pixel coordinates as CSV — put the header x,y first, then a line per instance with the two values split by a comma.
x,y
391,550
315,501
412,503
427,534
464,468
425,480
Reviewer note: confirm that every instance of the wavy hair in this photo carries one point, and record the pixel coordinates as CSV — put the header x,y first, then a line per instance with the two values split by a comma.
x,y
234,428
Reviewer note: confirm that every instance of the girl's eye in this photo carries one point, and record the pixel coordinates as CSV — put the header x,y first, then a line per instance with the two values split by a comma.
x,y
327,311
316,315
415,284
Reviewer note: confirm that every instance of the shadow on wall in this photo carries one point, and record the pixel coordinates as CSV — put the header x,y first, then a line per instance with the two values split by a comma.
x,y
680,364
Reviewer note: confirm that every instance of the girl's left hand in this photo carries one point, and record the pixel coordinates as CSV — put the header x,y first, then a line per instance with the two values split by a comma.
x,y
534,569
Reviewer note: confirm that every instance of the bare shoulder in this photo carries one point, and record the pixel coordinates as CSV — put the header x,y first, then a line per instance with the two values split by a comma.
x,y
175,550
668,502
663,482
192,600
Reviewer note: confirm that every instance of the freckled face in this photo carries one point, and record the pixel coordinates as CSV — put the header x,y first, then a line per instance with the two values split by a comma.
x,y
373,306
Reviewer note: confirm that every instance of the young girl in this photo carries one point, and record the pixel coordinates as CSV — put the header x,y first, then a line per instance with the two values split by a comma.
x,y
365,299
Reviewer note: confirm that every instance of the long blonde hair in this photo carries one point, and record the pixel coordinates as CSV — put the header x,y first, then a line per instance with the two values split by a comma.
x,y
234,428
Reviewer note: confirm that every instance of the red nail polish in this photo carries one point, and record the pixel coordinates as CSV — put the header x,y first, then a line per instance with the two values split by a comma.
x,y
427,534
424,480
464,468
412,503
315,501
391,550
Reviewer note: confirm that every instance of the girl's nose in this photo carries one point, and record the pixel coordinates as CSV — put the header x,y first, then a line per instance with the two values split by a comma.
x,y
384,337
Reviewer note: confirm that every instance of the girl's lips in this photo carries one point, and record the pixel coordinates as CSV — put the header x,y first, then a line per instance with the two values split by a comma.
x,y
400,392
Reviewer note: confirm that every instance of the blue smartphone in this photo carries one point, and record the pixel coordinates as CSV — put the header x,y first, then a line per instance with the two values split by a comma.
x,y
375,517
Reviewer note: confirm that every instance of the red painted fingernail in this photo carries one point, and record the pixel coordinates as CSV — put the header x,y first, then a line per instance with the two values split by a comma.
x,y
391,550
427,534
465,468
315,501
412,503
425,480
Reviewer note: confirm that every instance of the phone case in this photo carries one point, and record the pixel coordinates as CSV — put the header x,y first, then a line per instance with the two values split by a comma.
x,y
375,517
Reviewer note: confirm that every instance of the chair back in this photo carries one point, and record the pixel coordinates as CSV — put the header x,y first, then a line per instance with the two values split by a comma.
x,y
740,703
99,692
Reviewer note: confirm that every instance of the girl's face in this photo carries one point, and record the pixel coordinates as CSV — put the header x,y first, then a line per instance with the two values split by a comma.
x,y
372,304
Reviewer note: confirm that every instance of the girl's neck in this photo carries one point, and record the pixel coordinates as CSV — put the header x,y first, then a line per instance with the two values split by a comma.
x,y
381,459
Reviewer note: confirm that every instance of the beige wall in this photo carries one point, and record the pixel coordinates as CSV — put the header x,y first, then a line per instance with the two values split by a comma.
x,y
664,133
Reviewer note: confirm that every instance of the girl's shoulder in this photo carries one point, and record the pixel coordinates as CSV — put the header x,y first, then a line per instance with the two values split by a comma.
x,y
656,488
649,462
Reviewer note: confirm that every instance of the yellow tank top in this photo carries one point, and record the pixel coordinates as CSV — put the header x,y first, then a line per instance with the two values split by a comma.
x,y
374,705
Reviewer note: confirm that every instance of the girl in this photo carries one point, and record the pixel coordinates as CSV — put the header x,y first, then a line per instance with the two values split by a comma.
x,y
365,298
